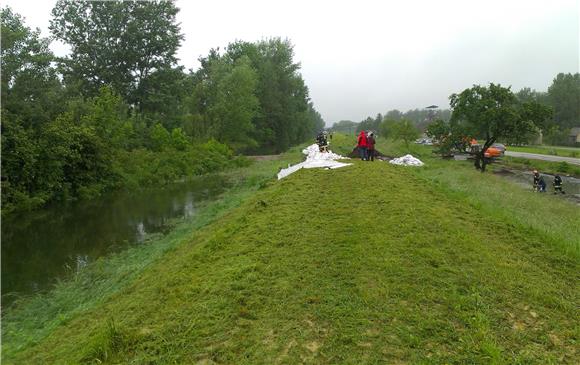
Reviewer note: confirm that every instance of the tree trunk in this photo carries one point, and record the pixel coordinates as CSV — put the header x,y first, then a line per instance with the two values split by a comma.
x,y
483,164
478,159
481,155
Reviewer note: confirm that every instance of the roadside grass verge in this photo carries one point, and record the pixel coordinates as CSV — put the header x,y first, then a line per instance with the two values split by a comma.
x,y
543,166
370,263
29,319
548,150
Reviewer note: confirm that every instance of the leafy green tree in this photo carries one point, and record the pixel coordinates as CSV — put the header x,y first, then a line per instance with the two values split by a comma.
x,y
448,137
163,96
20,153
235,105
405,131
107,114
116,43
386,127
556,136
282,119
494,113
564,97
73,159
31,91
160,138
527,94
344,126
369,123
394,115
535,117
179,140
316,121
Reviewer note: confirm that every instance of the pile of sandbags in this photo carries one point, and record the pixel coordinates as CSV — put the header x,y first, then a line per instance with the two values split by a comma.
x,y
314,159
407,160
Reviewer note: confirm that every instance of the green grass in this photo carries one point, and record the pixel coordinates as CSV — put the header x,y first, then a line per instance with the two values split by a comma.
x,y
548,150
543,166
371,263
31,318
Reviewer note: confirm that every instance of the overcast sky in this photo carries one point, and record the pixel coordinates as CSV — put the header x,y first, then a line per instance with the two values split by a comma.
x,y
362,57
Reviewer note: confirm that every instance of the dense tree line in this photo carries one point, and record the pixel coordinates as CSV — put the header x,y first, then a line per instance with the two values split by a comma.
x,y
119,112
562,97
419,119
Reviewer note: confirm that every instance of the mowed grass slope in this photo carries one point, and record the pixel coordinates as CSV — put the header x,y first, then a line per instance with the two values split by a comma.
x,y
364,264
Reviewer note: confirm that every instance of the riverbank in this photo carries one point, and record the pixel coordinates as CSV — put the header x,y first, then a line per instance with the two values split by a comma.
x,y
364,264
131,170
543,166
28,319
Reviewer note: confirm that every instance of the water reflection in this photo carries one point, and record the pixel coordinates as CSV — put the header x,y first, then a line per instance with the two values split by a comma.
x,y
39,247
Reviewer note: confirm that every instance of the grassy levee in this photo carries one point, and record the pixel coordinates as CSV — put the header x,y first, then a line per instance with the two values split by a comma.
x,y
29,319
370,263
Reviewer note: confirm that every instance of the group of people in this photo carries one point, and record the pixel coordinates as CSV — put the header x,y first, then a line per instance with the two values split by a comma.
x,y
540,184
366,145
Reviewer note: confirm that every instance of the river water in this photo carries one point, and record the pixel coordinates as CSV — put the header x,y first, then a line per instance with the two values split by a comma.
x,y
42,246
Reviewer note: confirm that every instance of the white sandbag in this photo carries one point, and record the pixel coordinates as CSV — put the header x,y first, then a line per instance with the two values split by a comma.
x,y
315,159
407,160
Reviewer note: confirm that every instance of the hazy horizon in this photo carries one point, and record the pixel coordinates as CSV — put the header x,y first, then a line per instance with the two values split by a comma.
x,y
363,58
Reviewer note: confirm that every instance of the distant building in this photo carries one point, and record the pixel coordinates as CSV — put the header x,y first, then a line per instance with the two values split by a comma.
x,y
539,138
574,136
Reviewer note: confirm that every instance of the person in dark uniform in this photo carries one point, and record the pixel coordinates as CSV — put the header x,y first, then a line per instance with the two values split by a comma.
x,y
371,147
558,185
322,142
536,180
542,185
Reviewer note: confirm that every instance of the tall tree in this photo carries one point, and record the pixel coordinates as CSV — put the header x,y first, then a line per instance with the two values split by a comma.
x,y
493,113
282,119
31,91
564,97
235,104
404,130
116,43
394,115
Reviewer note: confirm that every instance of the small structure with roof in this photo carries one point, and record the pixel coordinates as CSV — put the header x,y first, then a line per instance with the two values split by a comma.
x,y
574,135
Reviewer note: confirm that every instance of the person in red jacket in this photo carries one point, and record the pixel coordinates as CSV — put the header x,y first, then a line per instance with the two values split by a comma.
x,y
362,145
371,146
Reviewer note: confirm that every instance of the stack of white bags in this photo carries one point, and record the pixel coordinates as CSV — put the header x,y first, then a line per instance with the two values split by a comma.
x,y
315,158
407,160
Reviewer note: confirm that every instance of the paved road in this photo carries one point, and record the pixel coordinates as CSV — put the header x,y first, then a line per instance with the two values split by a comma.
x,y
537,156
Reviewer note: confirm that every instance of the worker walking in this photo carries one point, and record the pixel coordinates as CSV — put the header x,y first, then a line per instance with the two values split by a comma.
x,y
536,180
541,185
558,185
371,147
362,145
322,141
